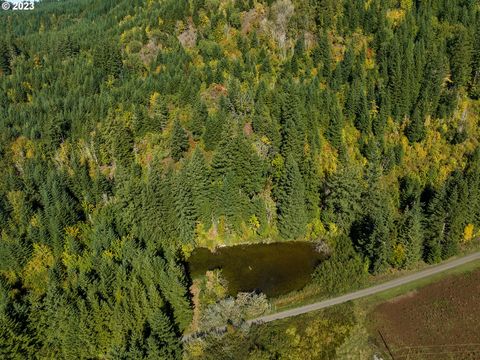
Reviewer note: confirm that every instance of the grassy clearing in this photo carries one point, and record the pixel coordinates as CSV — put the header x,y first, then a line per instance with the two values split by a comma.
x,y
435,318
416,285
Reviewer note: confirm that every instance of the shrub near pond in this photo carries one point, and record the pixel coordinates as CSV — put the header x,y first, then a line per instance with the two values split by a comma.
x,y
234,311
215,287
216,309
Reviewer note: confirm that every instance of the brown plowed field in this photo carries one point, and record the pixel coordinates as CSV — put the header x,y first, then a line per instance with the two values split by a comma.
x,y
439,321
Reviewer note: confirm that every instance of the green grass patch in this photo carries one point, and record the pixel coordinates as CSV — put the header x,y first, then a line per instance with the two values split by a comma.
x,y
418,284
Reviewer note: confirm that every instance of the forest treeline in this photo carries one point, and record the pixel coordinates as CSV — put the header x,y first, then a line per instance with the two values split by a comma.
x,y
132,132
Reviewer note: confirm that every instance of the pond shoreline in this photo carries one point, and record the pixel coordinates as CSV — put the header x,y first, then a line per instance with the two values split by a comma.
x,y
248,243
274,268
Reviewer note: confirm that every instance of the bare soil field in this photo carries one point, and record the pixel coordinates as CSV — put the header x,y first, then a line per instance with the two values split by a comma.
x,y
438,321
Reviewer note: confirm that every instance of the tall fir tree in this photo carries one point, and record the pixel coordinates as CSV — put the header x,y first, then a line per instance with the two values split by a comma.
x,y
198,175
415,130
435,223
291,208
342,197
457,215
460,53
213,131
372,232
199,120
291,124
410,235
179,141
185,208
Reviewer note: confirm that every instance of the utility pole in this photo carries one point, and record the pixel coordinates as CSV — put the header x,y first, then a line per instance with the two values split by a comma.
x,y
386,345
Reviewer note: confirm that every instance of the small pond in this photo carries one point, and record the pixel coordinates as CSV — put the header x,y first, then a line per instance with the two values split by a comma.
x,y
273,269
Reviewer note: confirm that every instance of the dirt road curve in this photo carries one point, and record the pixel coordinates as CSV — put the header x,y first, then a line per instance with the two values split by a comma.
x,y
366,292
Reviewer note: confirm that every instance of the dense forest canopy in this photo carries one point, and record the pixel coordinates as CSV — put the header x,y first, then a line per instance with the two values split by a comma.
x,y
133,131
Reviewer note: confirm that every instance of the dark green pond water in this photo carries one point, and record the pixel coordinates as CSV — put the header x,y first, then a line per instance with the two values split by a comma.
x,y
273,269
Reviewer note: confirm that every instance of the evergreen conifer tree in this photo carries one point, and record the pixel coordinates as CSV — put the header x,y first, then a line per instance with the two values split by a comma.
x,y
335,125
474,91
411,235
372,233
342,199
460,52
415,131
198,175
435,228
291,201
107,58
325,54
185,208
178,142
199,120
213,131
